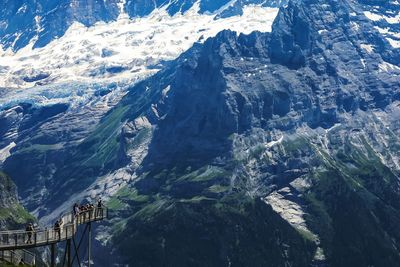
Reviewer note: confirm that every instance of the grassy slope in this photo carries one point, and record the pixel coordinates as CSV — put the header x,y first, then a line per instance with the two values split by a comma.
x,y
189,218
354,207
209,232
14,214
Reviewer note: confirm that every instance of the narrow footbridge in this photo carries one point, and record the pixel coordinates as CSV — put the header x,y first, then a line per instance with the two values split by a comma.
x,y
14,243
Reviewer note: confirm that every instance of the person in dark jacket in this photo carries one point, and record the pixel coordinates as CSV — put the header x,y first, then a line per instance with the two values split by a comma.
x,y
29,231
75,211
99,208
57,229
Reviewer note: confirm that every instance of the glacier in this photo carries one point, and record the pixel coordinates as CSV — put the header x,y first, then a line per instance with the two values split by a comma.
x,y
127,49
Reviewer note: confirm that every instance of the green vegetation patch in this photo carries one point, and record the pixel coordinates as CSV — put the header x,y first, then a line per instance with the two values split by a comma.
x,y
15,214
40,148
235,229
205,174
197,199
294,144
102,144
5,264
217,188
152,208
124,196
354,208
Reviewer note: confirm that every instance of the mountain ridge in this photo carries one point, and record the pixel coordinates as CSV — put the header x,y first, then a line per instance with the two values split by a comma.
x,y
50,19
295,129
123,50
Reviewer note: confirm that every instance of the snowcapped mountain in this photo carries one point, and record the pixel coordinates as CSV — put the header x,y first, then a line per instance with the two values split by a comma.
x,y
239,133
45,20
98,46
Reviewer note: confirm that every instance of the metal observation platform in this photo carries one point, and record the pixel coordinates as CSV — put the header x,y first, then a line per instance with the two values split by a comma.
x,y
14,243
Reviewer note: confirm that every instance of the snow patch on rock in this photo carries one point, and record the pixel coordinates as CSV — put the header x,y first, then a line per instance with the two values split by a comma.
x,y
387,67
368,48
273,143
377,17
5,152
394,43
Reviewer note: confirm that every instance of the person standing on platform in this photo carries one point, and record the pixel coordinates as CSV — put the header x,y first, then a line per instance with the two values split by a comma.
x,y
99,208
57,229
75,211
29,232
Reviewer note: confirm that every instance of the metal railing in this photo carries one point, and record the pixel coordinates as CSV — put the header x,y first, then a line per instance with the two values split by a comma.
x,y
18,256
41,237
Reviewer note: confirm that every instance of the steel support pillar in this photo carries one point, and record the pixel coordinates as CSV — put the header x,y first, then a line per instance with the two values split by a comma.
x,y
89,243
69,263
53,255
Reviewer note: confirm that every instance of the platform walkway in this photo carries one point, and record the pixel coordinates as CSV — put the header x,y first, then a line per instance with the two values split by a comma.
x,y
15,257
14,242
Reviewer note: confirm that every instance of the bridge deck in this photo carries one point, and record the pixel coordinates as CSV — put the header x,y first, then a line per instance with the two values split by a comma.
x,y
20,239
17,256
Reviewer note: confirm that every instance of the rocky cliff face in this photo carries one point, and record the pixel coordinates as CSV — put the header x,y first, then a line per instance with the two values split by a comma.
x,y
301,118
48,19
12,214
268,149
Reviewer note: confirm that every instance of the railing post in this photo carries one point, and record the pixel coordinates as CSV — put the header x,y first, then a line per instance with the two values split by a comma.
x,y
46,231
69,253
53,255
35,232
15,239
90,244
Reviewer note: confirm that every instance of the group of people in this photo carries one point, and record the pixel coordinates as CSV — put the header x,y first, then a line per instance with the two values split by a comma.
x,y
83,211
80,212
